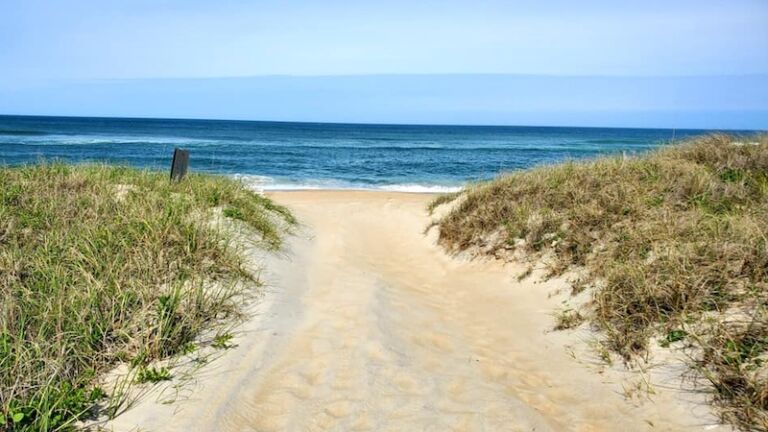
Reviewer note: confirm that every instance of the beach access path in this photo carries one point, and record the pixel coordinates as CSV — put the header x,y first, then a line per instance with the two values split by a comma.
x,y
366,324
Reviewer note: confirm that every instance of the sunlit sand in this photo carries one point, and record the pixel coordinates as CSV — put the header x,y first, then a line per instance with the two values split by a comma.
x,y
367,324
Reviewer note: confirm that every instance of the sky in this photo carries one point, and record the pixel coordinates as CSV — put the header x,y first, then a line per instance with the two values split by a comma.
x,y
645,63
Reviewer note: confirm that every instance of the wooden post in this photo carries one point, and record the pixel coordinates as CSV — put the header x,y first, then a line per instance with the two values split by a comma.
x,y
180,164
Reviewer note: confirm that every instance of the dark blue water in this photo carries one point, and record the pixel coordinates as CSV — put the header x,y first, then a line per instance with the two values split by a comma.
x,y
316,155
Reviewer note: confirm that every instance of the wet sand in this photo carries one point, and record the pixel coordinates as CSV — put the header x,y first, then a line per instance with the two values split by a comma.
x,y
368,325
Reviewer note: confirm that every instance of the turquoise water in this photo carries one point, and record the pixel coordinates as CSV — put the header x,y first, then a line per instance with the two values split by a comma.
x,y
275,155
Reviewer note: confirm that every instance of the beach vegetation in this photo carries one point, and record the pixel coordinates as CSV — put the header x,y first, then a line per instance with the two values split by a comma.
x,y
568,319
674,243
223,341
102,265
152,374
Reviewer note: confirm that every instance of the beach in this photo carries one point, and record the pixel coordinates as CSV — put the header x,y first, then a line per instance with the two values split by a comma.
x,y
367,324
384,216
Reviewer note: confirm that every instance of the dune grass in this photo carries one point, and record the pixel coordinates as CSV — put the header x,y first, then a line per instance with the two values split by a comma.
x,y
101,265
674,244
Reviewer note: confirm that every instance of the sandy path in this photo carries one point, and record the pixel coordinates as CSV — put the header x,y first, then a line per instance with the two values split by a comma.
x,y
370,326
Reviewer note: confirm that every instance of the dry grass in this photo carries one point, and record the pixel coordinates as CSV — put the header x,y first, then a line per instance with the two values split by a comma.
x,y
674,239
100,265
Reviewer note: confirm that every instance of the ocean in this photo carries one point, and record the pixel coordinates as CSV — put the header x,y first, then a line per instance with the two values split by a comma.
x,y
283,155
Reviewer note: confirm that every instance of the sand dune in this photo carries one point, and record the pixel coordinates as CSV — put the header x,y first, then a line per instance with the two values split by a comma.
x,y
368,325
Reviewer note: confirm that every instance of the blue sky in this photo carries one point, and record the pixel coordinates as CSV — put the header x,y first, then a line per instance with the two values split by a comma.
x,y
647,63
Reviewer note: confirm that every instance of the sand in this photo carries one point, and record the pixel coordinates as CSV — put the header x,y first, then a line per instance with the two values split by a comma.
x,y
367,324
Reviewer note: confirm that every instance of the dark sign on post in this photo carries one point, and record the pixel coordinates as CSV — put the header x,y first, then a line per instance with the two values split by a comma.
x,y
180,164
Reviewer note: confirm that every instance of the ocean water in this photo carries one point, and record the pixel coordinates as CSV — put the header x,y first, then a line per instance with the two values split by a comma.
x,y
281,155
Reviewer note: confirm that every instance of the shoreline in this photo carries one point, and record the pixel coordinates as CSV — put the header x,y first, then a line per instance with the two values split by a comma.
x,y
351,190
404,188
270,192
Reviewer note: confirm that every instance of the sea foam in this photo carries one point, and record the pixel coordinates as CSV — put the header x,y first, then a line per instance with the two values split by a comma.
x,y
260,183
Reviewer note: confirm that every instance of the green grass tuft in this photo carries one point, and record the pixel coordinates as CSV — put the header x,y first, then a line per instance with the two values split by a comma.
x,y
223,341
153,375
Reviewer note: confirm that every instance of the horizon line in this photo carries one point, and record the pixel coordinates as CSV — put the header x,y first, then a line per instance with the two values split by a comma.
x,y
376,124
